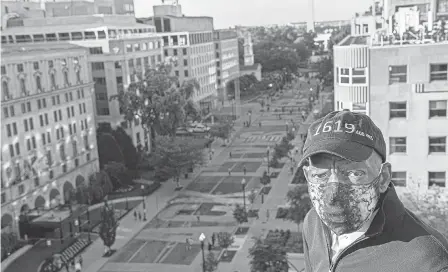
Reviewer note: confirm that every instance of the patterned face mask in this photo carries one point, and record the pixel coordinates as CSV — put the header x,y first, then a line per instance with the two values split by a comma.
x,y
344,208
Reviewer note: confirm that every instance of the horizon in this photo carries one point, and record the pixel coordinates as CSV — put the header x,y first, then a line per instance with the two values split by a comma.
x,y
225,14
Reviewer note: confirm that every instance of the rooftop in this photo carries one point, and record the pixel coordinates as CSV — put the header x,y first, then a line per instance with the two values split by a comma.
x,y
390,41
13,50
250,67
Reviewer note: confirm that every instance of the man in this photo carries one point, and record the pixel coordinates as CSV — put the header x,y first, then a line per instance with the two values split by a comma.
x,y
358,222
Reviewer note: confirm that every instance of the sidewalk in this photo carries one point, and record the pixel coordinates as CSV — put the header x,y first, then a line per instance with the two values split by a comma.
x,y
128,228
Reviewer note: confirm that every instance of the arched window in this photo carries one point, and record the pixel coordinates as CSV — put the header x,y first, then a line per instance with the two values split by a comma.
x,y
38,83
5,89
23,86
53,80
66,82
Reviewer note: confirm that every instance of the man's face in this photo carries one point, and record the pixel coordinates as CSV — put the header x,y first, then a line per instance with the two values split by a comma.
x,y
343,192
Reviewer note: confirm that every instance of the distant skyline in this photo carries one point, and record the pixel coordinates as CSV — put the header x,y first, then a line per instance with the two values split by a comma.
x,y
227,13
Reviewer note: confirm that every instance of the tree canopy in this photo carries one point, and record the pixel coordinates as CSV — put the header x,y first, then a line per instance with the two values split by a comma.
x,y
157,102
108,227
268,257
299,204
175,156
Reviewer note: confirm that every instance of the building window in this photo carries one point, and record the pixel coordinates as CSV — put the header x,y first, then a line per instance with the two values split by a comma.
x,y
437,145
174,52
96,50
344,75
66,81
437,179
184,51
352,76
165,52
397,145
438,72
38,83
398,74
20,68
36,65
3,70
397,110
186,73
5,90
399,178
437,108
442,6
359,76
99,66
53,81
23,86
78,76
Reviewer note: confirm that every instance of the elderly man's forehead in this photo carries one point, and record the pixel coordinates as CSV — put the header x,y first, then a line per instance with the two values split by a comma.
x,y
326,157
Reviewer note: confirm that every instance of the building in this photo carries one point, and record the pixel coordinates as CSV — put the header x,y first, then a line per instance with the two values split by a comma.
x,y
227,61
402,83
119,51
188,41
48,136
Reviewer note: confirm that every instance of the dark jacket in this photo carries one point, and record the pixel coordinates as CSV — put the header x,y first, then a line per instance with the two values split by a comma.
x,y
396,241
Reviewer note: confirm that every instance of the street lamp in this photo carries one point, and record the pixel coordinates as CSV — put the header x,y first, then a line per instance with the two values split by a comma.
x,y
268,150
233,109
286,123
243,185
202,239
144,202
250,117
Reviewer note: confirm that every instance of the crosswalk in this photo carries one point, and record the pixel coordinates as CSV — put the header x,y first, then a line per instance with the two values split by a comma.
x,y
264,138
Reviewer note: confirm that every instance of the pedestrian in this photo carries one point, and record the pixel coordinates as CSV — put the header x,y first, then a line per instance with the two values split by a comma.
x,y
139,216
362,216
229,171
267,214
198,217
210,247
230,154
213,238
135,215
292,170
77,267
259,124
244,169
210,156
80,260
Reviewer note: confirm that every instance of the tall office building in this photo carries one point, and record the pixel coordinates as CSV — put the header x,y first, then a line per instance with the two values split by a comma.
x,y
119,49
188,41
227,61
48,136
400,79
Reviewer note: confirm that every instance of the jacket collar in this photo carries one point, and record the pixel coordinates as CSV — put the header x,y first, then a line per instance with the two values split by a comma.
x,y
390,212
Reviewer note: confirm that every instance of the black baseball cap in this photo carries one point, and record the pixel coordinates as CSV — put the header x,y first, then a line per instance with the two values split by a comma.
x,y
349,135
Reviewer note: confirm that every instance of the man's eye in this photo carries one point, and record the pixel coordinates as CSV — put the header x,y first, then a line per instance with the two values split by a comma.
x,y
320,175
355,174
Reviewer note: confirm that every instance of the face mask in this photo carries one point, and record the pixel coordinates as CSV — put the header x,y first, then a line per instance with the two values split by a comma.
x,y
344,208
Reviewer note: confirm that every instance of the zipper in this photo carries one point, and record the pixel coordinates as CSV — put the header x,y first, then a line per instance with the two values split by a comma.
x,y
335,263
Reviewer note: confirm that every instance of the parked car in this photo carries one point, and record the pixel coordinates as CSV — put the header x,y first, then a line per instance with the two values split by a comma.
x,y
201,128
183,130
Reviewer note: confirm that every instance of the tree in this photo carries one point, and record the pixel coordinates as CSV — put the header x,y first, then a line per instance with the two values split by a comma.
x,y
268,257
175,156
299,204
108,227
156,102
225,239
276,57
265,179
240,214
127,147
211,263
241,51
99,186
252,196
222,130
117,173
9,242
108,149
430,205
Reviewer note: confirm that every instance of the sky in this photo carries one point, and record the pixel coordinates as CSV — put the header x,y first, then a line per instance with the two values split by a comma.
x,y
227,13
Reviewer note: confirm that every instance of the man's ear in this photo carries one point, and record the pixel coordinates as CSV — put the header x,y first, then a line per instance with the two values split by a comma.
x,y
385,176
